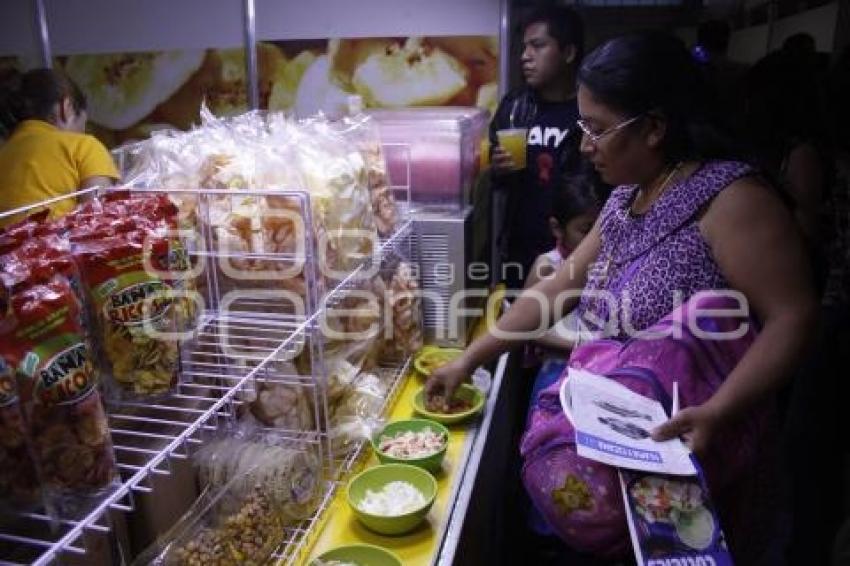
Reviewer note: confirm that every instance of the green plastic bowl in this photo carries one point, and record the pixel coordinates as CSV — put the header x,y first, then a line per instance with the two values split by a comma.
x,y
431,463
430,358
361,554
465,391
375,479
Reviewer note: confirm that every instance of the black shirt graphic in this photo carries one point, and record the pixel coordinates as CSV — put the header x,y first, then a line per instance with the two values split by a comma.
x,y
551,135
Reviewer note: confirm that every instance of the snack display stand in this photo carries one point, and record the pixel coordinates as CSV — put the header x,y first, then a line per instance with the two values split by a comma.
x,y
154,440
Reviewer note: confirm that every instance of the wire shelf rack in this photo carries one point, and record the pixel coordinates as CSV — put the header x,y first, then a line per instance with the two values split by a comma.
x,y
232,351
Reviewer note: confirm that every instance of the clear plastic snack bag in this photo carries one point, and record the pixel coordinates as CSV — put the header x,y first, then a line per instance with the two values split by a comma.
x,y
246,456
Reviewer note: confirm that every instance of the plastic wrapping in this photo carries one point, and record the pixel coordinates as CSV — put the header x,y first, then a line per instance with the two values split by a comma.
x,y
266,152
357,414
19,486
274,404
288,472
224,527
404,303
139,314
57,384
363,132
125,247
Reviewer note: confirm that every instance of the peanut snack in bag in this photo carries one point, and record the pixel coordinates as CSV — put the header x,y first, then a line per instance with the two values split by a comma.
x,y
57,383
140,306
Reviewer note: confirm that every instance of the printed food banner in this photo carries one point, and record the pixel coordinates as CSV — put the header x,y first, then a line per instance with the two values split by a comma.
x,y
132,94
672,520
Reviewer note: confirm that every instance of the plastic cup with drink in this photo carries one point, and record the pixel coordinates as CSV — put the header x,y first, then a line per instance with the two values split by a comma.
x,y
513,140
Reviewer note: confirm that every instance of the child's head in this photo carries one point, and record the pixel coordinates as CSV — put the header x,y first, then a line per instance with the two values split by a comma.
x,y
577,202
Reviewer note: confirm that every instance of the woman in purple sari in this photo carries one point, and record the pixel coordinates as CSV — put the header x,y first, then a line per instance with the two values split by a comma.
x,y
686,218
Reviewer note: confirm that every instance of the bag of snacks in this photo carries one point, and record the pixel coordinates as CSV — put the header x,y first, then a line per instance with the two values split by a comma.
x,y
281,405
247,456
362,131
403,337
57,384
224,527
356,416
18,481
141,305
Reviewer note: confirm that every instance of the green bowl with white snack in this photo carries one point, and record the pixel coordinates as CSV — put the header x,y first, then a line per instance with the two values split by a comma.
x,y
417,442
392,499
357,555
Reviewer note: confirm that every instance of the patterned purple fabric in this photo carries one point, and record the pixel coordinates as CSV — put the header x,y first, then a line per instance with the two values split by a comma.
x,y
647,261
580,499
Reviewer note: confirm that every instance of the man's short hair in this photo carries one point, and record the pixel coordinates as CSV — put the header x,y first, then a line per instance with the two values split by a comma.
x,y
563,24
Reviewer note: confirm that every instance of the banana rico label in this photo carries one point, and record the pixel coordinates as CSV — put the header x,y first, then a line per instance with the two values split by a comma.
x,y
145,302
65,376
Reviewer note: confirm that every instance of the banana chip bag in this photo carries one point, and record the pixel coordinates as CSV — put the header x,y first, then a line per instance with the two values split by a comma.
x,y
140,301
44,343
18,481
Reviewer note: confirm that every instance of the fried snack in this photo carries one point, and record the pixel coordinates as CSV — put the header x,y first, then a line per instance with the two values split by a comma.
x,y
405,303
363,133
229,93
478,54
288,472
68,429
346,55
18,480
123,88
282,406
138,314
413,74
247,536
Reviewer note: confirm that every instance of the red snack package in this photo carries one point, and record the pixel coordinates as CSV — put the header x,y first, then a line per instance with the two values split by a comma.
x,y
131,280
57,384
18,479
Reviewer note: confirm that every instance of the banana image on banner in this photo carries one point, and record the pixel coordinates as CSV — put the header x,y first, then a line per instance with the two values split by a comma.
x,y
131,95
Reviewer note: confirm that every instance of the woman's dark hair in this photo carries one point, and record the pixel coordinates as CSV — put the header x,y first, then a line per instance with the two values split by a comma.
x,y
562,23
35,96
578,194
653,73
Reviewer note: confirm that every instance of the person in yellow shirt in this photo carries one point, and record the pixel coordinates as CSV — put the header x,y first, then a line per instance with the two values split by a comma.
x,y
48,155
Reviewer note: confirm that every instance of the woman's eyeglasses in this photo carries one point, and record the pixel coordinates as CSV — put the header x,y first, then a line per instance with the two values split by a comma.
x,y
595,136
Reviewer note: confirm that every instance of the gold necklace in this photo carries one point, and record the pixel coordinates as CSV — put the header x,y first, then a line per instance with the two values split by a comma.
x,y
666,182
663,187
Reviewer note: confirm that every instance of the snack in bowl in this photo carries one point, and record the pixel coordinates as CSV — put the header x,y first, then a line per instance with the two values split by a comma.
x,y
357,555
417,442
392,499
431,358
466,402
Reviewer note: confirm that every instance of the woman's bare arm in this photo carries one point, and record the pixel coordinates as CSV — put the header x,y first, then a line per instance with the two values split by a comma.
x,y
524,317
758,248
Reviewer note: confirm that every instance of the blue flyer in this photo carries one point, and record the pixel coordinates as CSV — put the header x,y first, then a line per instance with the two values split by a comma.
x,y
672,520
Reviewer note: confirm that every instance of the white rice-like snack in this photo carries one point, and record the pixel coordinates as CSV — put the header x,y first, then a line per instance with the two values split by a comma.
x,y
394,499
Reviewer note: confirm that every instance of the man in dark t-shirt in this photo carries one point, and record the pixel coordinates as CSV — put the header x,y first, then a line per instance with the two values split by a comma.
x,y
553,39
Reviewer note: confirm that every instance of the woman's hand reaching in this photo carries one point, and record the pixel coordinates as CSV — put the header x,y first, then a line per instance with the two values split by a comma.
x,y
444,381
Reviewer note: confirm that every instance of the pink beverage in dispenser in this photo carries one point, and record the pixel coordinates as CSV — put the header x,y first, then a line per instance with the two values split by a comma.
x,y
444,146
